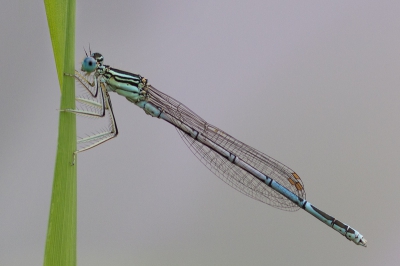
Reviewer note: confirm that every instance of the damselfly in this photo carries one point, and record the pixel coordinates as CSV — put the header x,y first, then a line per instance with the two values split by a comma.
x,y
244,168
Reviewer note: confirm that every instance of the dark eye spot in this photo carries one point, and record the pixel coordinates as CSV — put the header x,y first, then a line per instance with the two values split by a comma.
x,y
90,63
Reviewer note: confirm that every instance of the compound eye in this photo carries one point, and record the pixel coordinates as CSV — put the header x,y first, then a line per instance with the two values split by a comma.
x,y
89,64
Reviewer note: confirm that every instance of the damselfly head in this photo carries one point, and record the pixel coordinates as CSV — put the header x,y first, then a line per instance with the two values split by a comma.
x,y
92,62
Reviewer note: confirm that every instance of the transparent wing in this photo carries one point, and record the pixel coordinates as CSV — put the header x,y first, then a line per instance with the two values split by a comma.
x,y
225,170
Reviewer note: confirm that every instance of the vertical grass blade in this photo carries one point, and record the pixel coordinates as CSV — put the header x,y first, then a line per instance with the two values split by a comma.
x,y
61,233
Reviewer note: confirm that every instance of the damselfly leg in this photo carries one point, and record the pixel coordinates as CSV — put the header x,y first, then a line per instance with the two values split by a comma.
x,y
98,105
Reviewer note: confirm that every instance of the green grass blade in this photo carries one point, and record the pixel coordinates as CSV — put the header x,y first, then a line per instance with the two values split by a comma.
x,y
61,233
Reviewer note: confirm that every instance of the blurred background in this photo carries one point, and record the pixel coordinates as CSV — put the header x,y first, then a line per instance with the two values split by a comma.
x,y
313,84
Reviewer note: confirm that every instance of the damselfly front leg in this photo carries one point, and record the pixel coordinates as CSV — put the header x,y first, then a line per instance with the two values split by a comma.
x,y
89,86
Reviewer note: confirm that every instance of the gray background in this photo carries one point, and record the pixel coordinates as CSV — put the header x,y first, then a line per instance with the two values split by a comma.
x,y
314,85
